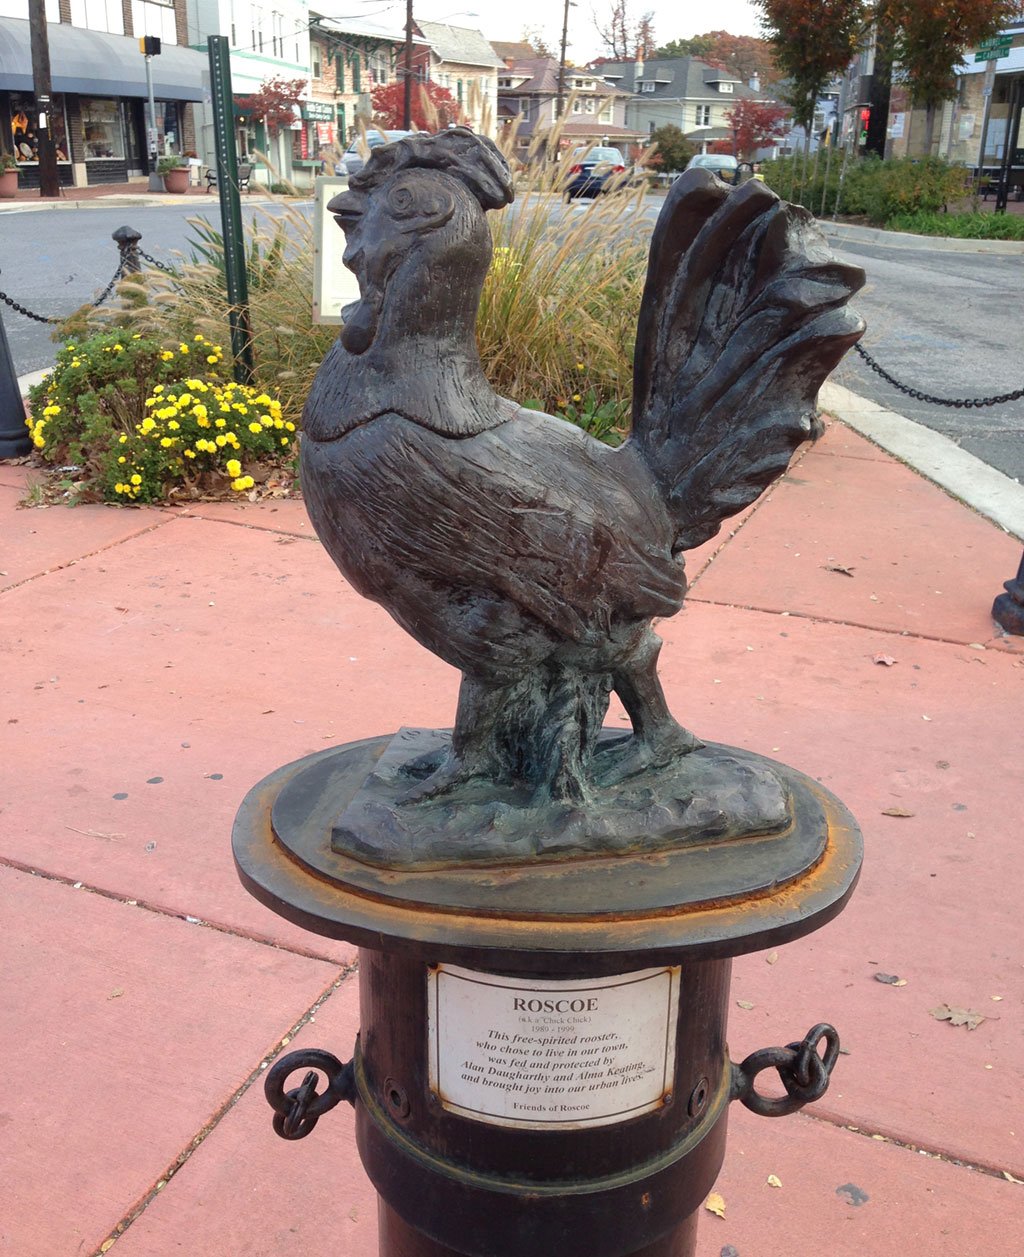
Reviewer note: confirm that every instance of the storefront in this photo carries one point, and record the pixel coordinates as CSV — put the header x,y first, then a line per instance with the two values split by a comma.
x,y
317,140
99,105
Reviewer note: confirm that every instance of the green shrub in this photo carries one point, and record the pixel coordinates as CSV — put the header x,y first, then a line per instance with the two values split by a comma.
x,y
138,421
961,226
911,185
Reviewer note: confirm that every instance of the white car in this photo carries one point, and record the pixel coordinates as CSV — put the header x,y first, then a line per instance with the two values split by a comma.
x,y
720,164
354,157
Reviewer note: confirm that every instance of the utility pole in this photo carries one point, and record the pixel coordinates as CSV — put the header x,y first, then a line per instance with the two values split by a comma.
x,y
560,102
149,46
407,109
49,182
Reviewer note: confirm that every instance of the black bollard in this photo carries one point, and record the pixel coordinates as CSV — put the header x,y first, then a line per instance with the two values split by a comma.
x,y
1008,608
127,239
14,438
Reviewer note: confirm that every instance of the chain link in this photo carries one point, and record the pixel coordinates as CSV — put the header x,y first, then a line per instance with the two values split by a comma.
x,y
803,1072
958,403
41,318
298,1110
168,270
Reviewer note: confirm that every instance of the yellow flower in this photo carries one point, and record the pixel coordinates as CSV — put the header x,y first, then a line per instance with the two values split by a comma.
x,y
185,399
189,453
159,387
198,336
266,421
199,410
51,410
122,459
278,423
202,421
284,440
148,424
576,397
122,439
221,423
166,356
174,425
167,442
221,440
76,362
233,467
289,426
136,479
119,488
255,427
117,348
137,336
212,358
242,483
183,348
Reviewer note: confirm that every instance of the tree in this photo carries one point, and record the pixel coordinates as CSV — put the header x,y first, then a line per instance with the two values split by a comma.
x,y
813,41
756,124
929,41
745,55
674,149
624,37
274,103
433,106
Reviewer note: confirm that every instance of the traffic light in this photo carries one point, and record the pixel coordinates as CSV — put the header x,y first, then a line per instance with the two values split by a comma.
x,y
149,46
865,118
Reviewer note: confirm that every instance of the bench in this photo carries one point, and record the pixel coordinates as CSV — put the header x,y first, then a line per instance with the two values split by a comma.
x,y
244,171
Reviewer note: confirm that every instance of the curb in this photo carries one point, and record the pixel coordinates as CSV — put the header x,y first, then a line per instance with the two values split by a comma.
x,y
855,234
936,457
133,202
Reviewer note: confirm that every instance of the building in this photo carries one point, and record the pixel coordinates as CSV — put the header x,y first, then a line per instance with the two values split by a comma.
x,y
99,95
267,41
593,111
684,92
462,61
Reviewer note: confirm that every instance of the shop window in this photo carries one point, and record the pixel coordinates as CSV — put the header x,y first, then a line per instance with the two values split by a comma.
x,y
98,15
24,121
101,127
155,17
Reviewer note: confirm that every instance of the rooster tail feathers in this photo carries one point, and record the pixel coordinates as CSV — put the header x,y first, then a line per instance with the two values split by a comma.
x,y
743,317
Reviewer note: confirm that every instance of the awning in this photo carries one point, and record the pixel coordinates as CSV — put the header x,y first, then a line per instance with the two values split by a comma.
x,y
95,64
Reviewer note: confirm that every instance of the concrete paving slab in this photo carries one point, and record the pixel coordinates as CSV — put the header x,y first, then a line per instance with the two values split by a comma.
x,y
866,542
935,735
16,475
124,1034
287,515
41,539
173,674
247,1193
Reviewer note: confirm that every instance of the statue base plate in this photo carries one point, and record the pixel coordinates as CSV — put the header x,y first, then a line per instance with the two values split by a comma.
x,y
701,896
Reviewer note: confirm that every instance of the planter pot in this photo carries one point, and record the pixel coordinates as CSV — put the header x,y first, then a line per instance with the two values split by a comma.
x,y
8,184
177,180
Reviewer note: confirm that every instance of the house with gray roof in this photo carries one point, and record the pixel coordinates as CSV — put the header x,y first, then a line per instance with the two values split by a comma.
x,y
593,110
685,92
462,61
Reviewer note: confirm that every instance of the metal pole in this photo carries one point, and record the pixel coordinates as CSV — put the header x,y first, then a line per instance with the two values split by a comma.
x,y
230,208
156,184
407,106
14,438
1008,608
127,241
560,99
1012,119
989,84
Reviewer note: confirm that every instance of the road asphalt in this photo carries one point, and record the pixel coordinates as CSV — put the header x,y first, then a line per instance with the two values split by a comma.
x,y
158,662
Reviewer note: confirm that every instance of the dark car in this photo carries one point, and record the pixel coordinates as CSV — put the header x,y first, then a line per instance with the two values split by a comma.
x,y
593,171
722,165
354,157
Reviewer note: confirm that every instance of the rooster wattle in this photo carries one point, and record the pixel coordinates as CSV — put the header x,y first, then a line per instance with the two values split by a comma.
x,y
513,545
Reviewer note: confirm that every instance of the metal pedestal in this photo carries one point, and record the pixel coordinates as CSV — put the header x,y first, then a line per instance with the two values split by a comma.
x,y
456,1175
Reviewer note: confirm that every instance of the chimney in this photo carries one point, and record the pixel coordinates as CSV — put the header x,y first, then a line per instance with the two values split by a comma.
x,y
638,69
755,82
510,63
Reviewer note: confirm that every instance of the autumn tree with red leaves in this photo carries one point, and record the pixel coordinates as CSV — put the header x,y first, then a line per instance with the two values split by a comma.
x,y
274,103
625,36
433,107
744,55
756,124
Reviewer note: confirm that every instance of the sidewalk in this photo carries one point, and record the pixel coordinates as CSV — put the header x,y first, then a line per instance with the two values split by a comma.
x,y
134,192
157,663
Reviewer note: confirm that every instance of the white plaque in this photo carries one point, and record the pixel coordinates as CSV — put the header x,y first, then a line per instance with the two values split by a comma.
x,y
334,285
550,1055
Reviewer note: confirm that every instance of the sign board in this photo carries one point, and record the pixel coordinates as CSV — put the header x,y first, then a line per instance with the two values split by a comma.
x,y
996,41
552,1055
317,111
334,285
993,53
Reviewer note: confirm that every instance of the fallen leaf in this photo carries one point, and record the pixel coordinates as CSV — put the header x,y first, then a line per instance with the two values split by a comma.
x,y
997,998
715,1204
958,1016
896,811
774,1181
772,956
838,567
886,660
116,993
1010,1179
890,979
744,1003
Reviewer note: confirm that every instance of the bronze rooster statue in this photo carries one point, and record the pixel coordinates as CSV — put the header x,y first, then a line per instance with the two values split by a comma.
x,y
513,545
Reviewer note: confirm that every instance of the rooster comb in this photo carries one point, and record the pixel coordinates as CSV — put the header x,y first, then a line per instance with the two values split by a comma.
x,y
474,160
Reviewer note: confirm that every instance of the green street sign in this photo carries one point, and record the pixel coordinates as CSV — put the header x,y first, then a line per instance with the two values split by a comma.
x,y
991,54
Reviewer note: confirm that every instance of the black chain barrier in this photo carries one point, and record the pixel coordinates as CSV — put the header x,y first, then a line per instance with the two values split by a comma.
x,y
957,403
802,1071
122,266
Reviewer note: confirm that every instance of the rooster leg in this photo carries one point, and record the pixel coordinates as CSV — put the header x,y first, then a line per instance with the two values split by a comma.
x,y
472,750
658,738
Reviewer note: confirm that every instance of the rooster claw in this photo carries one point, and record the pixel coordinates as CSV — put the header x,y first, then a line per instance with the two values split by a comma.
x,y
452,773
639,755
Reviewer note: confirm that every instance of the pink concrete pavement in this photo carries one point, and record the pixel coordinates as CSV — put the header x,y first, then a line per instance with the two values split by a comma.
x,y
157,663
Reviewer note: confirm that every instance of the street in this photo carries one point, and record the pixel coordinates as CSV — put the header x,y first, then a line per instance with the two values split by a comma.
x,y
947,324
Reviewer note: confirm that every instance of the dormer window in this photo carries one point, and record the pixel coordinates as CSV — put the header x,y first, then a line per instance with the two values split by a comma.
x,y
504,82
725,87
647,87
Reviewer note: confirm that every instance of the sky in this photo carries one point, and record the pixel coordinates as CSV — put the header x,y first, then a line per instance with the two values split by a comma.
x,y
499,19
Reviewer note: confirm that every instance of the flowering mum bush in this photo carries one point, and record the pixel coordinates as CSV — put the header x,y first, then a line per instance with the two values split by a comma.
x,y
136,421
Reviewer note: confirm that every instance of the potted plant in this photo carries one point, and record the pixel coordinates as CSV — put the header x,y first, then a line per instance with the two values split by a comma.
x,y
8,176
174,174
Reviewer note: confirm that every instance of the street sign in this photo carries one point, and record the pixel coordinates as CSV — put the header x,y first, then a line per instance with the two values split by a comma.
x,y
996,41
993,49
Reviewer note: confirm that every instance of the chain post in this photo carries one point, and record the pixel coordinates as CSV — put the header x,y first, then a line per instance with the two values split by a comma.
x,y
14,439
127,240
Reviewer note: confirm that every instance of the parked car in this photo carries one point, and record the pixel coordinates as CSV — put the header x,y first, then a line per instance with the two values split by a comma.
x,y
354,157
720,164
593,171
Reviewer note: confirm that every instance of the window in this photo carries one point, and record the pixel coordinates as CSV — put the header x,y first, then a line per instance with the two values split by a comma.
x,y
101,128
504,82
726,88
583,104
317,69
356,73
703,115
155,17
647,87
378,69
100,15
